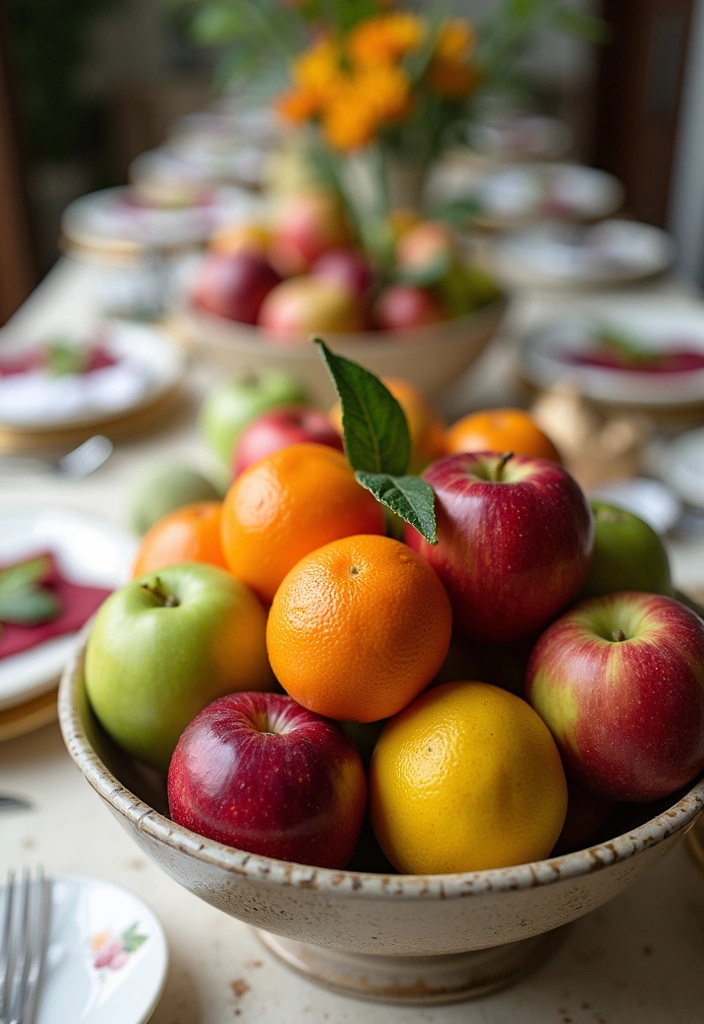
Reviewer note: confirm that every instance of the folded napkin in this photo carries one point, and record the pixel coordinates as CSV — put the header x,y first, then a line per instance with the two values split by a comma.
x,y
77,603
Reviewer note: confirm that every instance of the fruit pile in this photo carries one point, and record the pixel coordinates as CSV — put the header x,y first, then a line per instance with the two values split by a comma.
x,y
307,273
482,692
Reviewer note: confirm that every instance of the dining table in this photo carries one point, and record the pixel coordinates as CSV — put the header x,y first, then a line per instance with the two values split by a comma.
x,y
636,960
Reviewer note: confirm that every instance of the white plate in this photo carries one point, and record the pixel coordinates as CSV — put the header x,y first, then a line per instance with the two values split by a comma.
x,y
682,466
96,923
150,366
520,136
558,255
522,192
89,551
655,323
111,217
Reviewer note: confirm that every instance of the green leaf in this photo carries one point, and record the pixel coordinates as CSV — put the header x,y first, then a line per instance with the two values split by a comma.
x,y
408,496
29,606
525,8
582,26
24,574
131,939
373,423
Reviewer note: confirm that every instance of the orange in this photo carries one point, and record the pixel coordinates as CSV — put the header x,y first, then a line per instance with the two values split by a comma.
x,y
501,430
426,428
287,505
189,534
358,628
466,778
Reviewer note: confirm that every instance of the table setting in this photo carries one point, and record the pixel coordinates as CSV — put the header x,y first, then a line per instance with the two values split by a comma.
x,y
351,552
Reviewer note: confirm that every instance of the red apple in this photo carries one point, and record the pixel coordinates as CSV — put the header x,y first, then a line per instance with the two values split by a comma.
x,y
304,228
515,537
258,772
234,286
619,681
272,431
346,267
401,306
302,306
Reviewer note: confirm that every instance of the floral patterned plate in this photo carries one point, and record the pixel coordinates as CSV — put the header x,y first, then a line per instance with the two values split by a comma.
x,y
106,957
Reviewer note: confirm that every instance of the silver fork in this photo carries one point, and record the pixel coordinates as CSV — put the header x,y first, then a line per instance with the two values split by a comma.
x,y
80,462
23,936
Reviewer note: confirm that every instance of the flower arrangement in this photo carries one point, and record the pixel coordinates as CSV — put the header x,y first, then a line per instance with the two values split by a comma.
x,y
372,81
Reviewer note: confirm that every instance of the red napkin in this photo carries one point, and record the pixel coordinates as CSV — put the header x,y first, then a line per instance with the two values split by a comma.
x,y
77,605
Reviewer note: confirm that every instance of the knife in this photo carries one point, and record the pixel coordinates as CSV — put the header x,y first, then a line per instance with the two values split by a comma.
x,y
14,803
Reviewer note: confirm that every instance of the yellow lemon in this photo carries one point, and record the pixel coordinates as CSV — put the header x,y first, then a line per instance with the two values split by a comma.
x,y
467,777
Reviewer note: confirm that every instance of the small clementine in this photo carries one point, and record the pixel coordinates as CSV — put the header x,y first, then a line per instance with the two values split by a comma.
x,y
500,430
358,628
189,534
287,505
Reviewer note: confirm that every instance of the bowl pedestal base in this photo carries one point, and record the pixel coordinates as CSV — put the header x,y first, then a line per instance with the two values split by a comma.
x,y
415,980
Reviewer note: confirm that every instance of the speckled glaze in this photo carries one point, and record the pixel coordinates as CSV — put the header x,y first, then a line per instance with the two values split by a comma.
x,y
381,916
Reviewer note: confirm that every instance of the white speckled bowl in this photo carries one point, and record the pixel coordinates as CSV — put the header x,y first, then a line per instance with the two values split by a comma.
x,y
431,357
400,938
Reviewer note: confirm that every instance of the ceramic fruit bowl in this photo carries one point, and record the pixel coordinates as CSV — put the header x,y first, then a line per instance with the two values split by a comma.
x,y
398,938
431,357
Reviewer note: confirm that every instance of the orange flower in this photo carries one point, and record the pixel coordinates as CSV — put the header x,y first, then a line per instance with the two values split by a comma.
x,y
368,99
450,73
456,41
318,69
385,38
298,105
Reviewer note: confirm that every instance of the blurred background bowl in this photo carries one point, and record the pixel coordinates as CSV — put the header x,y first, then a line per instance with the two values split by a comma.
x,y
430,357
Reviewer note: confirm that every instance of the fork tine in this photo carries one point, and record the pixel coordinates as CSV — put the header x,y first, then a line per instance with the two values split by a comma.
x,y
40,907
5,942
19,974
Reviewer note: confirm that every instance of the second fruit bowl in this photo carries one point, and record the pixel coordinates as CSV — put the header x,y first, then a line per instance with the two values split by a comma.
x,y
430,357
397,938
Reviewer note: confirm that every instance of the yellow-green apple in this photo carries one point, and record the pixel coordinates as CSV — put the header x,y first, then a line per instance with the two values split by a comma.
x,y
234,286
515,538
628,555
232,405
400,306
345,266
619,681
164,647
304,228
309,305
272,431
426,252
258,772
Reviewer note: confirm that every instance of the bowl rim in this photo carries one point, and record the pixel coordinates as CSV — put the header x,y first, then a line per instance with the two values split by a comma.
x,y
675,819
252,339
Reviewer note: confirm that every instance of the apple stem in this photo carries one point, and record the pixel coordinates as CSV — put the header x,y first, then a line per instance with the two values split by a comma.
x,y
157,589
618,635
503,459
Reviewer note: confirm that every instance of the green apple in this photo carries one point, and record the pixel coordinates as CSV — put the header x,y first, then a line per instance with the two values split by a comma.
x,y
165,490
628,555
231,406
164,647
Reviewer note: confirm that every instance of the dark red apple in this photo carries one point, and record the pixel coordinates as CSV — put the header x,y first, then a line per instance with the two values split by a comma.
x,y
346,267
619,681
258,772
515,537
272,431
234,286
401,306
